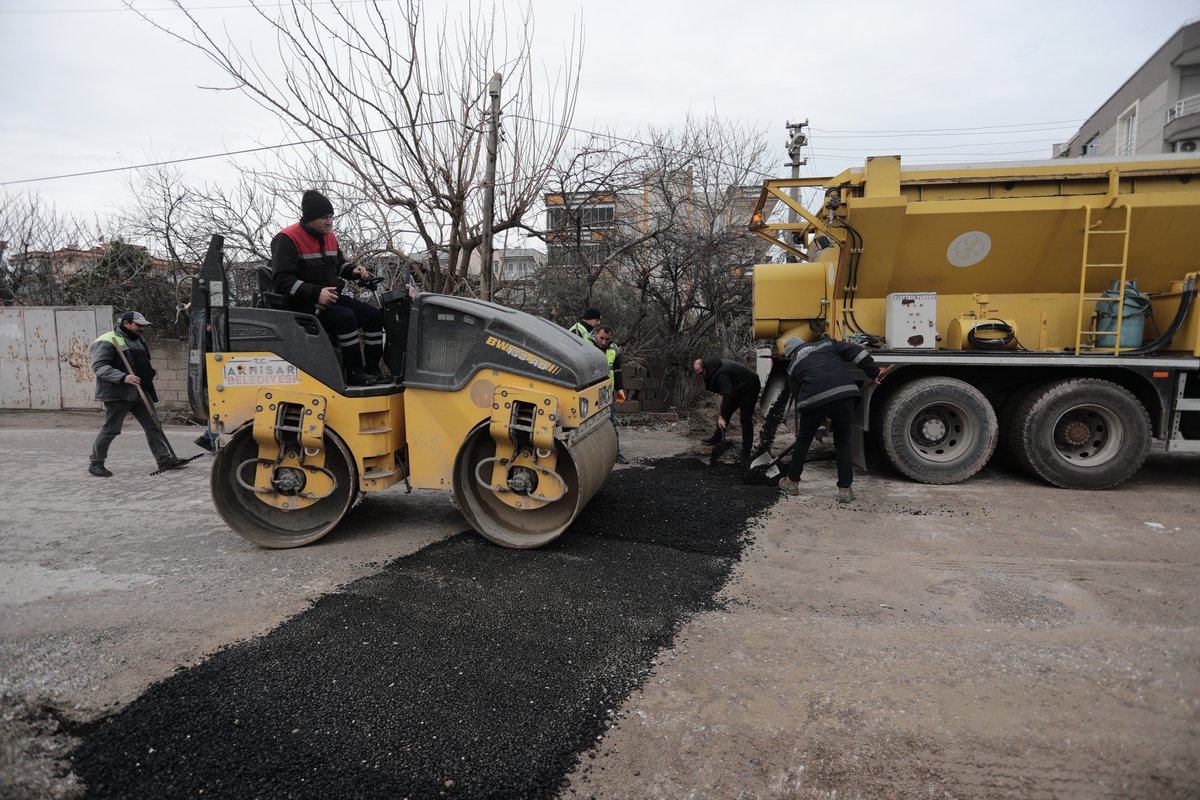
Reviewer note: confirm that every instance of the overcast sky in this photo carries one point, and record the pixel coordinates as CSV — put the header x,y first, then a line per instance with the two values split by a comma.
x,y
90,86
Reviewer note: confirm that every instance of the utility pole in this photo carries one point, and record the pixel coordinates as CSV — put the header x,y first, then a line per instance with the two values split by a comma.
x,y
796,141
489,186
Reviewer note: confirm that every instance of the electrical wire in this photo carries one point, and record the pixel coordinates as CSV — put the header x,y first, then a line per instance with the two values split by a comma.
x,y
1057,122
225,154
612,137
946,132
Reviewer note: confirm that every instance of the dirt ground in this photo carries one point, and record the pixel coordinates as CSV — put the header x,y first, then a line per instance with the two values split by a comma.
x,y
997,638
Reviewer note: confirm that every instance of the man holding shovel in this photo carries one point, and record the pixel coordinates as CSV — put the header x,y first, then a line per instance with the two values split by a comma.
x,y
738,386
125,384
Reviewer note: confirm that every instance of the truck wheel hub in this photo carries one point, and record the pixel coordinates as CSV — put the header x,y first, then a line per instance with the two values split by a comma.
x,y
1074,433
931,429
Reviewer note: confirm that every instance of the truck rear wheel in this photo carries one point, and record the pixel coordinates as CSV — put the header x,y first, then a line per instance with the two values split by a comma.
x,y
938,430
1083,433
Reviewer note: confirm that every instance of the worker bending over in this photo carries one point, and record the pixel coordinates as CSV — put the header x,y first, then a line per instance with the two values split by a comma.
x,y
820,382
738,386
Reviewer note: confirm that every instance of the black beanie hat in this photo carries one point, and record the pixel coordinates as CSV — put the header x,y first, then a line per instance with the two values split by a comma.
x,y
591,313
710,364
314,205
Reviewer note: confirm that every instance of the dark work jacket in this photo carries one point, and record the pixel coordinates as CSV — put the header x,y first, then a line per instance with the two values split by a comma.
x,y
737,384
303,264
110,369
818,372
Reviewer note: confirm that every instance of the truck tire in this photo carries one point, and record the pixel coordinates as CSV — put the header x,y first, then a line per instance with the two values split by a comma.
x,y
938,430
1083,433
1006,415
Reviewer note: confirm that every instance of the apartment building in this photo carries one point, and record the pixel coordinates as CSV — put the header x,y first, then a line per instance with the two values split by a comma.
x,y
1156,111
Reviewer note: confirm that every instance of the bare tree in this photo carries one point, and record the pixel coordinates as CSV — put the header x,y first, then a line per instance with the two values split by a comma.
x,y
401,109
39,248
696,273
671,267
174,221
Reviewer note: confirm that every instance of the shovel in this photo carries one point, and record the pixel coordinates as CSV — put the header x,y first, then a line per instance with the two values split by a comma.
x,y
178,462
765,459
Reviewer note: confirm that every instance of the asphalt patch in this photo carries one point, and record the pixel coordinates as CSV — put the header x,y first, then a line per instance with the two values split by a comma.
x,y
463,670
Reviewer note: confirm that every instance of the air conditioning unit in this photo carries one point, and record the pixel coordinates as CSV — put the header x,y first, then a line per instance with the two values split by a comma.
x,y
1186,146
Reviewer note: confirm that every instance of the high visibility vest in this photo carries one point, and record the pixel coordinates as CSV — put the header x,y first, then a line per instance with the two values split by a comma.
x,y
580,330
112,336
138,356
307,245
611,353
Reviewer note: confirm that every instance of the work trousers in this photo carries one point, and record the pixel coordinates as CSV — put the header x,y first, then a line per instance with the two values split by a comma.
x,y
841,414
745,407
342,321
114,417
612,408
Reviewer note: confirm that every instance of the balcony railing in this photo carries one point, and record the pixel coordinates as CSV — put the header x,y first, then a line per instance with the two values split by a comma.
x,y
1188,105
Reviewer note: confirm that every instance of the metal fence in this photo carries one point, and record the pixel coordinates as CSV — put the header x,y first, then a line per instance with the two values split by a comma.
x,y
45,355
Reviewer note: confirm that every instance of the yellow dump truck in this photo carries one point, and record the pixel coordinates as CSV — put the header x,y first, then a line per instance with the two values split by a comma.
x,y
507,411
1047,307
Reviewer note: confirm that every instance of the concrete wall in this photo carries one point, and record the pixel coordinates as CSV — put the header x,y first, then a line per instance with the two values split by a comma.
x,y
645,386
170,359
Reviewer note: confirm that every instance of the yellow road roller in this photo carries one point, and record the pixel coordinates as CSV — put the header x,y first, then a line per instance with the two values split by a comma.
x,y
507,411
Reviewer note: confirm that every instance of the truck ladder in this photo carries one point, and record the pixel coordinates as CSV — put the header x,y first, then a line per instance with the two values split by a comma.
x,y
1090,231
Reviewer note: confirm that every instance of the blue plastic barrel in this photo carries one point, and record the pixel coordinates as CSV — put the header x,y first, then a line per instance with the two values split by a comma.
x,y
1133,326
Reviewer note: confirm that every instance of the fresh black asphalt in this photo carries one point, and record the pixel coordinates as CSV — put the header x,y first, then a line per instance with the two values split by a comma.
x,y
463,670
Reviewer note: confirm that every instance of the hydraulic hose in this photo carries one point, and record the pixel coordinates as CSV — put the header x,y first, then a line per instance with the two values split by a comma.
x,y
1185,305
1008,337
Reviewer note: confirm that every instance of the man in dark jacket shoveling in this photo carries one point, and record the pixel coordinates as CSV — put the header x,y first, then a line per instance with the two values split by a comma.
x,y
820,381
738,386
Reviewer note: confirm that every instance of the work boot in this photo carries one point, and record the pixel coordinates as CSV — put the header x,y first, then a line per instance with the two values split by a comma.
x,y
845,494
99,471
173,463
716,438
789,486
204,443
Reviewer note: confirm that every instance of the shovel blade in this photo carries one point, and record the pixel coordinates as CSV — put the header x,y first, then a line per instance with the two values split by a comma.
x,y
764,459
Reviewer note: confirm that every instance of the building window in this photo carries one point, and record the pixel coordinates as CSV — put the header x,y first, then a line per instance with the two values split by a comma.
x,y
1092,146
587,216
1127,131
